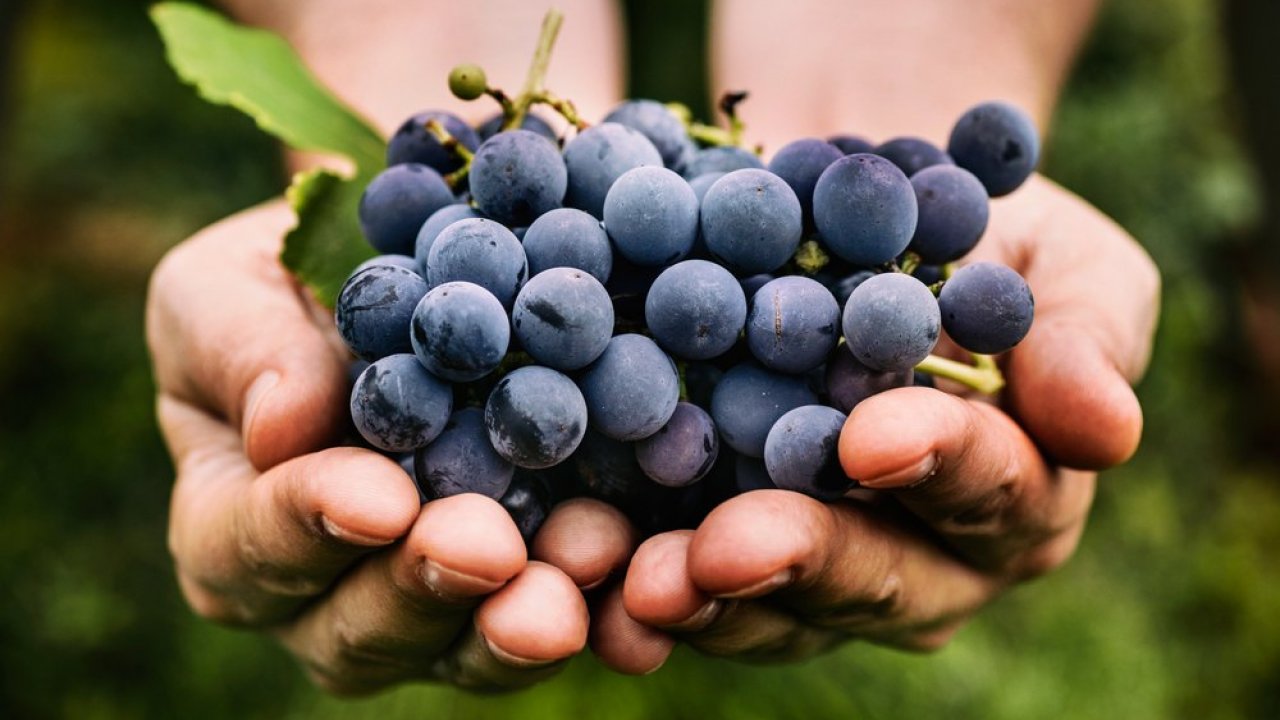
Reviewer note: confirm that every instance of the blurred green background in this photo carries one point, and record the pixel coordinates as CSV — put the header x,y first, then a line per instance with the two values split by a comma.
x,y
1171,608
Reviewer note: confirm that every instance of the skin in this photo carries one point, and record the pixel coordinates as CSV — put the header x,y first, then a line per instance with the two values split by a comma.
x,y
327,549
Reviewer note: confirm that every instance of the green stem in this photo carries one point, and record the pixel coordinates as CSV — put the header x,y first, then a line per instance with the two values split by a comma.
x,y
910,262
565,107
985,377
533,84
451,144
810,257
709,134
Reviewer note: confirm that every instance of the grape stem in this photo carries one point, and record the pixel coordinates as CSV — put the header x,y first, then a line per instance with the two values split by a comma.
x,y
984,375
810,257
450,143
533,84
564,107
910,261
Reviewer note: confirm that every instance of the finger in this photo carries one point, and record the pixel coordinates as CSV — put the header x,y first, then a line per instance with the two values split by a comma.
x,y
522,634
251,548
621,642
967,470
587,539
659,592
394,614
1097,299
840,566
1070,394
230,332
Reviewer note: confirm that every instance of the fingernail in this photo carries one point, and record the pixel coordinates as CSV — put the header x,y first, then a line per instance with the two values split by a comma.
x,y
700,619
342,534
779,579
913,474
253,397
516,661
453,586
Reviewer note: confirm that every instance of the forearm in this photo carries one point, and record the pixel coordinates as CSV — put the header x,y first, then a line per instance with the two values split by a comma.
x,y
882,69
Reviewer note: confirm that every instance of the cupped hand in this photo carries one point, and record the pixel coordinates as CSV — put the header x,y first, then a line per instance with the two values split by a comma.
x,y
328,550
972,497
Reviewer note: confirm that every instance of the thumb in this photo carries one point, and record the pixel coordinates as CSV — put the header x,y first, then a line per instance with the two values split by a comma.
x,y
230,332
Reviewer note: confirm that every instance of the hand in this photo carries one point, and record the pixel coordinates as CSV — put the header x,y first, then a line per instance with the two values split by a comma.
x,y
328,550
968,502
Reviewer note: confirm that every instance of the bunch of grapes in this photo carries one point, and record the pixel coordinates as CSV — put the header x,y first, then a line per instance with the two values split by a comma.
x,y
646,313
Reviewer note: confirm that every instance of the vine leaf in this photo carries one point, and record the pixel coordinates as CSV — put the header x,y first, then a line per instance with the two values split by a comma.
x,y
259,74
326,244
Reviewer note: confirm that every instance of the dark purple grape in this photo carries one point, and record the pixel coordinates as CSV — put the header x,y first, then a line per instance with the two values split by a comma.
x,y
683,450
986,308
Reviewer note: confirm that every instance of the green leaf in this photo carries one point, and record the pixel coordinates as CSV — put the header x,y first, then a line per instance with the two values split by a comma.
x,y
258,73
326,244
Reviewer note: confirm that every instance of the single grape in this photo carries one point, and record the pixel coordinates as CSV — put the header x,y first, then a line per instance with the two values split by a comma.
x,y
374,308
683,450
566,237
631,389
723,159
479,251
653,120
536,417
851,144
597,157
516,176
563,318
953,213
801,452
396,203
998,143
912,154
439,220
460,331
793,324
891,322
461,460
849,382
752,221
695,310
403,262
413,144
800,163
493,125
651,214
986,308
704,182
865,209
749,400
527,503
845,286
398,406
467,81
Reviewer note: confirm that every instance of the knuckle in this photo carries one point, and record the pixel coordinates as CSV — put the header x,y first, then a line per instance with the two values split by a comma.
x,y
990,513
